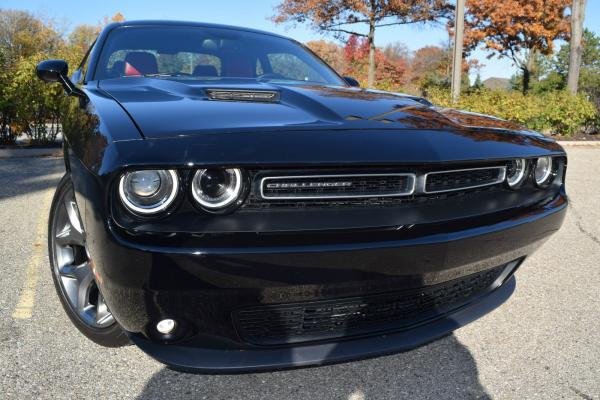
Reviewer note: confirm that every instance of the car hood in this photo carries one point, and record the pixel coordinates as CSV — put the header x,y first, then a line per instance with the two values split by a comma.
x,y
168,108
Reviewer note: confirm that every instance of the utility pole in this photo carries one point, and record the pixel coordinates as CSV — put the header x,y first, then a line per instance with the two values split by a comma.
x,y
576,47
459,28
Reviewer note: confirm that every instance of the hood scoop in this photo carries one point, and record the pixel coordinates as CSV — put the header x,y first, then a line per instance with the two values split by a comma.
x,y
259,96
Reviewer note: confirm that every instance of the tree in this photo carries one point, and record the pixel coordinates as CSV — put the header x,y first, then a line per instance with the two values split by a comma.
x,y
430,67
396,51
26,104
478,84
577,17
517,29
22,36
82,36
589,77
330,52
117,17
390,74
340,17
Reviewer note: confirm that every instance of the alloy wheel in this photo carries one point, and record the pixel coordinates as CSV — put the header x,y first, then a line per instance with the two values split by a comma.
x,y
73,266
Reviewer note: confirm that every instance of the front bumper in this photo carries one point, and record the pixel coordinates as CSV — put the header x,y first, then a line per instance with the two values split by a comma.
x,y
205,287
198,359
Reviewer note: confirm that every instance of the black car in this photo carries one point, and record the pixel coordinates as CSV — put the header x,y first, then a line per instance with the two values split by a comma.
x,y
232,204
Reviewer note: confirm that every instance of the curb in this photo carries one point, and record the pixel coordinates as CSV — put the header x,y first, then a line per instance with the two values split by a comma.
x,y
579,143
34,152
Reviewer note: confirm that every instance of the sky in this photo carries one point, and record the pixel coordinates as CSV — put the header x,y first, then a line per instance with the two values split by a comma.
x,y
253,14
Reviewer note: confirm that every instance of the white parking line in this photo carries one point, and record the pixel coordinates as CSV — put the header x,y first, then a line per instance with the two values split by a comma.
x,y
24,307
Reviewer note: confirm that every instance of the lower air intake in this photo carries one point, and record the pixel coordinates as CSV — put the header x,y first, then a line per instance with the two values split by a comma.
x,y
292,323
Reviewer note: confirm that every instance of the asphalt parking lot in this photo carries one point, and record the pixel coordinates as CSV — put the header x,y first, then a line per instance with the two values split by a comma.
x,y
544,343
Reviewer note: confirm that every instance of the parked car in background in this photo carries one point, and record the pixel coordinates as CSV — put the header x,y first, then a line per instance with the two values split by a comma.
x,y
232,204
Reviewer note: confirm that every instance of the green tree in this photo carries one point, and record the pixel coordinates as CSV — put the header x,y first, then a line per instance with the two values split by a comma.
x,y
478,84
81,38
589,76
22,36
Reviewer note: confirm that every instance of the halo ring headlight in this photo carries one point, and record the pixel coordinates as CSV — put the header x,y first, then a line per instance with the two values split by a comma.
x,y
515,173
149,191
543,171
217,188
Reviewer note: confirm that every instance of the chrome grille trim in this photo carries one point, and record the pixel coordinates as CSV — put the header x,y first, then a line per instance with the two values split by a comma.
x,y
411,187
501,178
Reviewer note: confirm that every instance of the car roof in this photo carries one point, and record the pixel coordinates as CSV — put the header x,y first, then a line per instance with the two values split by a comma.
x,y
191,23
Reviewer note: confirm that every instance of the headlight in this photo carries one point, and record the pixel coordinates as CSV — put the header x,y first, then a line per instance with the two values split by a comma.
x,y
217,188
148,191
515,173
543,171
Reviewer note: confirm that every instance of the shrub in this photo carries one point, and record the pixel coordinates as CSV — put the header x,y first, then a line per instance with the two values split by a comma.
x,y
37,106
555,112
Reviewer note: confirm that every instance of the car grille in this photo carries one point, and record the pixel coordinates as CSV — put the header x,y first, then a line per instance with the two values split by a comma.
x,y
336,186
292,323
298,189
446,181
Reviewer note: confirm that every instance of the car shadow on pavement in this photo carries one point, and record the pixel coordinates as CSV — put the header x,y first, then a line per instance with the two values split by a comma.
x,y
22,176
444,369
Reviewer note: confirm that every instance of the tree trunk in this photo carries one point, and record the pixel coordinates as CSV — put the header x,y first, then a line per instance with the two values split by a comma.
x,y
528,69
371,39
457,58
577,17
526,79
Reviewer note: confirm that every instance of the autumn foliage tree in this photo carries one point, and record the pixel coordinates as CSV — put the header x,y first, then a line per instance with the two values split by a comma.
x,y
26,104
391,69
517,29
344,17
330,52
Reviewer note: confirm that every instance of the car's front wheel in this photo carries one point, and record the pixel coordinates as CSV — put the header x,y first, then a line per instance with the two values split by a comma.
x,y
72,272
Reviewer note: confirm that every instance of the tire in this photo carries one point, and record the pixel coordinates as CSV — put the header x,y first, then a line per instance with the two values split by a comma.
x,y
72,276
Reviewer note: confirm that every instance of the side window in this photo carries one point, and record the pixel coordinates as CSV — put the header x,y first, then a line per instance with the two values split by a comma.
x,y
291,67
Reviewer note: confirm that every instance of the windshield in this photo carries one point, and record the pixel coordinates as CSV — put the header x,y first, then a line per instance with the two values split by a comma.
x,y
209,54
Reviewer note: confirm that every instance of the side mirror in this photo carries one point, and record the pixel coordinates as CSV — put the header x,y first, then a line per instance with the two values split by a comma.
x,y
52,70
351,81
57,71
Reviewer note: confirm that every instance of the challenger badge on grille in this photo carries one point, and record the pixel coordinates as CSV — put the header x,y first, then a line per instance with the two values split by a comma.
x,y
337,186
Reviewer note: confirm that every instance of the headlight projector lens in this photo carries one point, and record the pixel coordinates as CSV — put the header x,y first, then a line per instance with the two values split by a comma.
x,y
515,174
543,171
148,191
217,188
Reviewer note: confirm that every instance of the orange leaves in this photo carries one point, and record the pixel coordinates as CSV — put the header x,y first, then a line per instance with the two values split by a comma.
x,y
336,15
509,26
340,17
390,72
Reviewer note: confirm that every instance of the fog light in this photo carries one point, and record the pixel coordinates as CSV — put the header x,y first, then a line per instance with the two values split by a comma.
x,y
166,326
